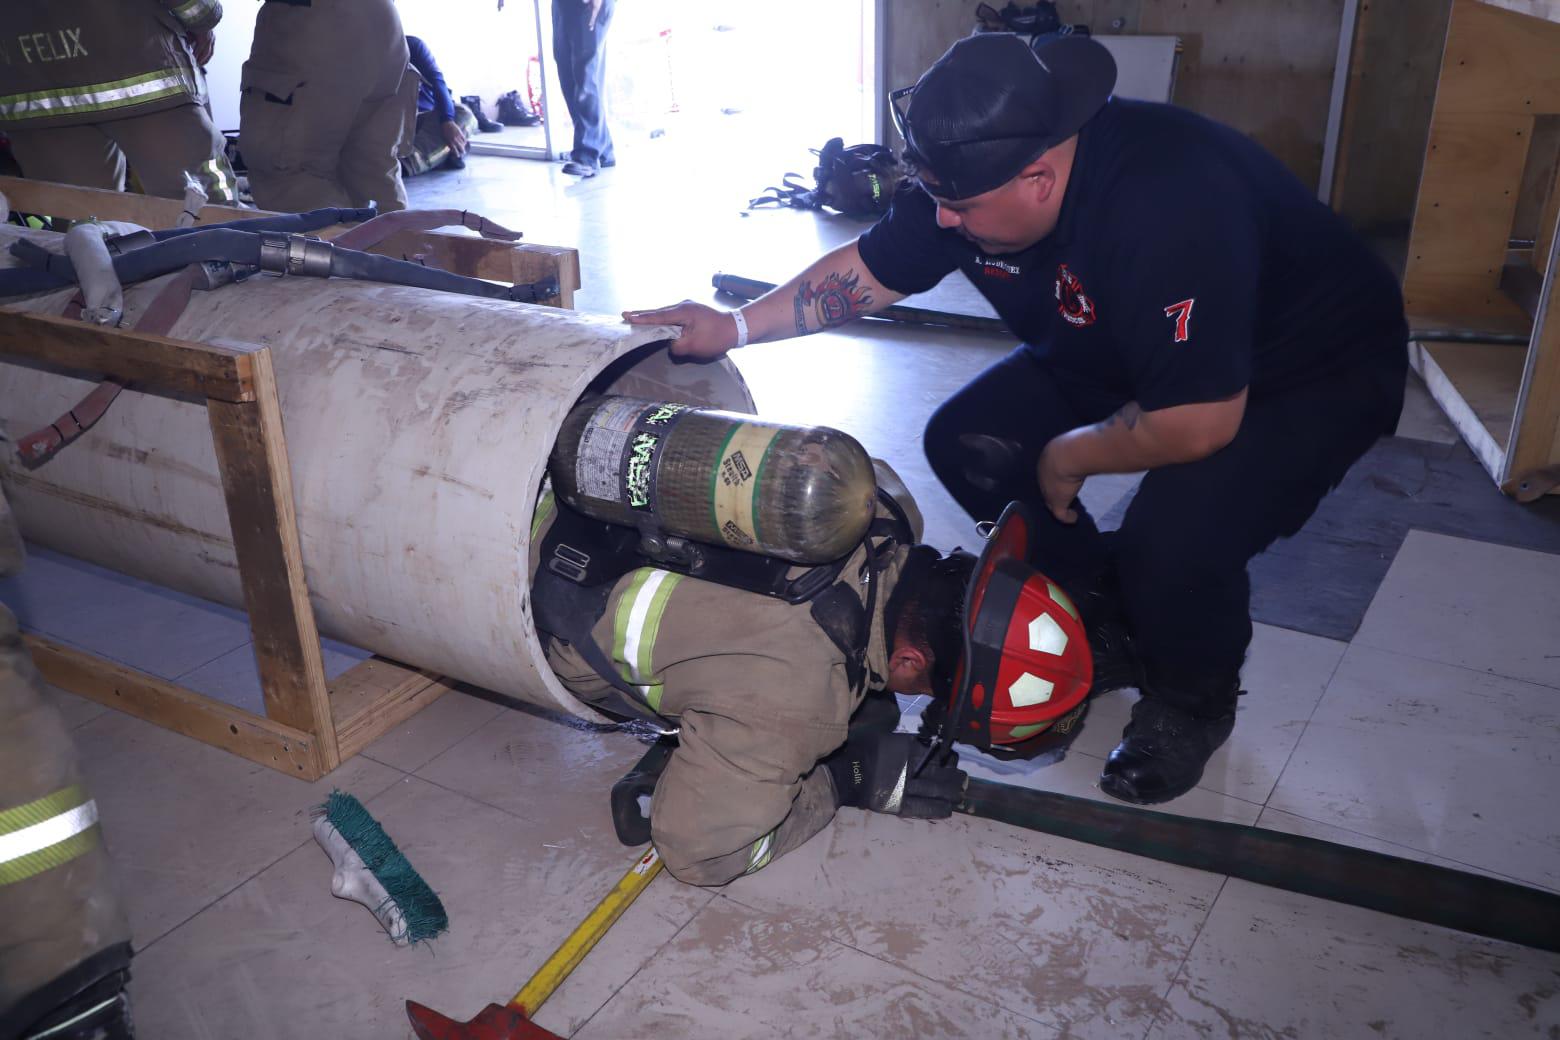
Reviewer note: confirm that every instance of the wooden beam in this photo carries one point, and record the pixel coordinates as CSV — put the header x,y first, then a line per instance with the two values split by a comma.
x,y
257,479
376,696
170,706
1467,199
48,199
1535,443
154,363
458,253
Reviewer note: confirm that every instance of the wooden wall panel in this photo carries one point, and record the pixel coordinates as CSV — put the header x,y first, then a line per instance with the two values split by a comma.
x,y
1387,106
1262,66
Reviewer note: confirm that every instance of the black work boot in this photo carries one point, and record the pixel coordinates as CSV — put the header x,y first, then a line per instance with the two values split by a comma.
x,y
1164,749
486,125
1162,753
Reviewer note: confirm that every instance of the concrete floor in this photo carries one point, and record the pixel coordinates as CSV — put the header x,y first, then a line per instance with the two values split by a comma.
x,y
1430,735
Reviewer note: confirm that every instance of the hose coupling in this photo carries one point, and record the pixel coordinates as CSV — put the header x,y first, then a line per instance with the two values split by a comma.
x,y
294,254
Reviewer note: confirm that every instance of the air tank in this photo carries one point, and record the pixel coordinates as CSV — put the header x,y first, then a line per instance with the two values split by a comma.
x,y
802,493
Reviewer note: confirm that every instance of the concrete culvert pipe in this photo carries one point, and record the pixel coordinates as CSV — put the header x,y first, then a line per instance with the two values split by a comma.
x,y
418,427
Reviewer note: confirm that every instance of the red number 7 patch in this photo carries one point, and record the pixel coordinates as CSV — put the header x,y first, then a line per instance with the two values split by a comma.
x,y
1182,313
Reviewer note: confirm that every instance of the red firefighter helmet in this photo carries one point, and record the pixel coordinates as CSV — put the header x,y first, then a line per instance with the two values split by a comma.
x,y
1026,661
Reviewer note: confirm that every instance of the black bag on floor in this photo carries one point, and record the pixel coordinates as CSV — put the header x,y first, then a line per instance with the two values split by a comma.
x,y
858,181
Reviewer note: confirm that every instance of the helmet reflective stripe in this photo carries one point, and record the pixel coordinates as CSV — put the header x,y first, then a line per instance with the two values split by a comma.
x,y
762,852
1062,599
97,97
46,833
635,626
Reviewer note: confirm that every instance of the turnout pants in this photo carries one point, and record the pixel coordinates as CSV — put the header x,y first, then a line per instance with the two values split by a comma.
x,y
580,53
327,99
1180,554
160,148
62,927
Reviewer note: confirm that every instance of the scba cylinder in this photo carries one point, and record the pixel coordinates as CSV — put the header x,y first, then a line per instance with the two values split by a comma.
x,y
802,493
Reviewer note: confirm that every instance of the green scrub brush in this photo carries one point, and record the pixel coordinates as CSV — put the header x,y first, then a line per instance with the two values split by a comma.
x,y
372,871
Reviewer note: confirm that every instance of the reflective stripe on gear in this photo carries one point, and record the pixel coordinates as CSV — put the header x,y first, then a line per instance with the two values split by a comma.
x,y
218,183
635,626
47,833
762,852
97,97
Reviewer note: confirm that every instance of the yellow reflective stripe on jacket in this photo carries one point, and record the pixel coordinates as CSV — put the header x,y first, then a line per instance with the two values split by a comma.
x,y
763,850
97,97
46,833
194,12
635,626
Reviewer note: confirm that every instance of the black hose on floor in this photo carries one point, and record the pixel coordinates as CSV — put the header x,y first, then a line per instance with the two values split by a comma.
x,y
1340,873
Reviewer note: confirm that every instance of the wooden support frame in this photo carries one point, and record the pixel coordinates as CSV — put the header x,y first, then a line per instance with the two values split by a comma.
x,y
1498,75
462,254
310,725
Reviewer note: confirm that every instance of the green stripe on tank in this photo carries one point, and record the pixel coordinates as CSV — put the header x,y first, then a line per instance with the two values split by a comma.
x,y
715,476
758,484
45,808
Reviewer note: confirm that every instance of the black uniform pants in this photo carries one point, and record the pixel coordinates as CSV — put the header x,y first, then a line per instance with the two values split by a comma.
x,y
580,54
1180,554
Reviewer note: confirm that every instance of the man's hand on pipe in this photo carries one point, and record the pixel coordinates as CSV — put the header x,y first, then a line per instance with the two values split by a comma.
x,y
707,332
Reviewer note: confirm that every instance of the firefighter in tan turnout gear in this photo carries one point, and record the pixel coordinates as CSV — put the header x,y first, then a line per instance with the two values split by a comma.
x,y
86,85
328,99
64,940
780,703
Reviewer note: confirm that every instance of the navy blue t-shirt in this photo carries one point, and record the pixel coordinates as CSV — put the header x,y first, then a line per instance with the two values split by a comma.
x,y
433,94
1187,264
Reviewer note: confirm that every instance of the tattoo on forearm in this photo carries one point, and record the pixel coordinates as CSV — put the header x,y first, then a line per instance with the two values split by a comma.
x,y
837,299
1129,414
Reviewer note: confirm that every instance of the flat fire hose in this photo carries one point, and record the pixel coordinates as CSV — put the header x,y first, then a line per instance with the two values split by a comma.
x,y
1340,873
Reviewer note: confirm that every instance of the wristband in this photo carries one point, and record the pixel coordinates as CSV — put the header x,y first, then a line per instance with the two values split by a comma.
x,y
742,333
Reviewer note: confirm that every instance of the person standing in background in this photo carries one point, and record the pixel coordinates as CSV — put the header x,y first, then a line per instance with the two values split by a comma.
x,y
327,100
579,48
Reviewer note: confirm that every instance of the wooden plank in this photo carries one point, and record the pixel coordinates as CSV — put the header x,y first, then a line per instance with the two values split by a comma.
x,y
151,362
1262,66
1467,199
485,258
1476,386
173,707
376,696
1387,106
458,253
49,199
257,480
1547,221
1536,442
1499,61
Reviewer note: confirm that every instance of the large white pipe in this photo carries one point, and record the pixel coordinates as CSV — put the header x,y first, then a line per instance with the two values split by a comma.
x,y
418,426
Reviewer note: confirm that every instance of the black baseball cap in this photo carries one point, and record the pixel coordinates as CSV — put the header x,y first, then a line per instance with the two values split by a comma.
x,y
993,103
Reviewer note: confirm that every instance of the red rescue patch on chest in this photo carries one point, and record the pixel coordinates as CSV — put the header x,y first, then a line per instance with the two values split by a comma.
x,y
1072,303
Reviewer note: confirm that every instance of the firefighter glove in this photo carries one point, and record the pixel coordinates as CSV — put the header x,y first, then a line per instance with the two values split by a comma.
x,y
874,773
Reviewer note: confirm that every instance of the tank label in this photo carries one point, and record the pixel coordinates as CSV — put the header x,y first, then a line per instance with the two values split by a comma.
x,y
736,481
617,452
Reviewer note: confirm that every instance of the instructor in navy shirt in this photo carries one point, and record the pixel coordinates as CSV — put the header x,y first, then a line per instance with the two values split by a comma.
x,y
1186,306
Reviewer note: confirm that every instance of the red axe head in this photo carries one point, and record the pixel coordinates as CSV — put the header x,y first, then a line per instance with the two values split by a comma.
x,y
494,1022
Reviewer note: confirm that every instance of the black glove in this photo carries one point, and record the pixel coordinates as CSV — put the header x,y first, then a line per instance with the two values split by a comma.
x,y
873,773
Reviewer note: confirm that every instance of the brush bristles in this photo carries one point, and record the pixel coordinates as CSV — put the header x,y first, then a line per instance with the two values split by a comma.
x,y
424,914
